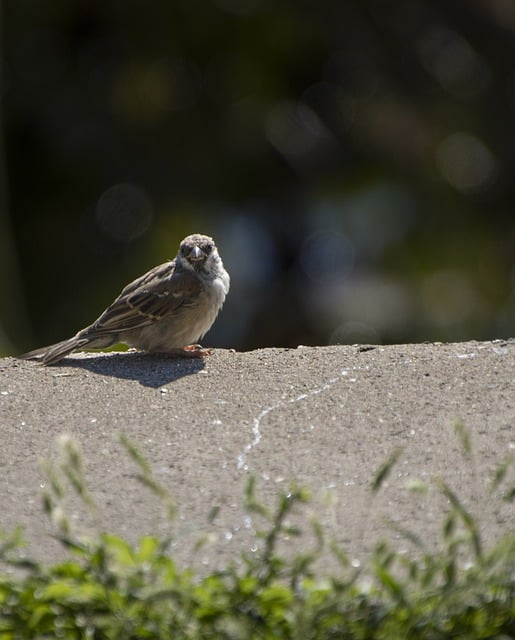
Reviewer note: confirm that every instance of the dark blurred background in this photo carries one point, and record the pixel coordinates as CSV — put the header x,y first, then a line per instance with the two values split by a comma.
x,y
354,161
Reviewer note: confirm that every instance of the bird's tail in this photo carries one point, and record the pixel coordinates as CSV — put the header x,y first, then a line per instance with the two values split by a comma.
x,y
55,352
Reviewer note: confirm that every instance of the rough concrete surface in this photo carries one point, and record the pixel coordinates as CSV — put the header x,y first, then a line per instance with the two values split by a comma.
x,y
323,417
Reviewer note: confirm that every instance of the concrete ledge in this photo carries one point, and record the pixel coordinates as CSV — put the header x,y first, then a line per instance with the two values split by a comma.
x,y
324,417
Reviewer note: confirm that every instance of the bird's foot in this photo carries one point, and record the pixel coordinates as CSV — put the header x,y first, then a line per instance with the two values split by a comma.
x,y
190,351
196,351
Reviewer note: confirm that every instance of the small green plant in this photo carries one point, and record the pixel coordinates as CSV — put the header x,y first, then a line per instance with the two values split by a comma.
x,y
109,589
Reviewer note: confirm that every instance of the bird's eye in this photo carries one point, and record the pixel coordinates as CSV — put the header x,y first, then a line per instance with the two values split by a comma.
x,y
207,248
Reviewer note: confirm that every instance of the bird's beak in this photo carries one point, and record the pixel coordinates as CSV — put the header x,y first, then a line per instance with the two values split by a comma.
x,y
196,254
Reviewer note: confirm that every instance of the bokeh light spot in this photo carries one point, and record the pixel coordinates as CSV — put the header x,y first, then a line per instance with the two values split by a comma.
x,y
145,92
124,212
327,256
449,297
451,60
295,131
466,162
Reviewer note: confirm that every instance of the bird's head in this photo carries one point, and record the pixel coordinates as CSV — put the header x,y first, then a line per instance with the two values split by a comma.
x,y
198,252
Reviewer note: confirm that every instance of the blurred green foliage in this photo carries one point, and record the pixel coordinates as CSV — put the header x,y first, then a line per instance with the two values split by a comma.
x,y
352,158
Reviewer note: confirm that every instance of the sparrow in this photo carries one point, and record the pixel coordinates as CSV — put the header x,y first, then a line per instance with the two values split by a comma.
x,y
166,310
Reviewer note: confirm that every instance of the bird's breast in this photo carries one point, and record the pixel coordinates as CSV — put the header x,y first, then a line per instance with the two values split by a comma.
x,y
186,325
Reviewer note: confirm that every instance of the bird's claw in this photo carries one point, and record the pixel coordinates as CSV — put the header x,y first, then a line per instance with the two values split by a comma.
x,y
194,351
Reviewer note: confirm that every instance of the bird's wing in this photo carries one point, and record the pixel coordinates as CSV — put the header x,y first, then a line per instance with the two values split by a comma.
x,y
151,297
